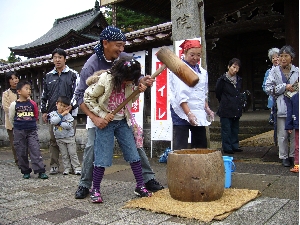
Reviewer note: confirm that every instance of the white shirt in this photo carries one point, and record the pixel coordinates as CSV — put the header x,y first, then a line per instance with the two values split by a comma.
x,y
194,96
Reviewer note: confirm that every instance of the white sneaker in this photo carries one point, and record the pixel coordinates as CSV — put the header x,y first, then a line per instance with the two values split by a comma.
x,y
78,172
53,170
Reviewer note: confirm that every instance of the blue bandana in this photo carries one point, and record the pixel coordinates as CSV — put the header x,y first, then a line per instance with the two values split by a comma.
x,y
110,34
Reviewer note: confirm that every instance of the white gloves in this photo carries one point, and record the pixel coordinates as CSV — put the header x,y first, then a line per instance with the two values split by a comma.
x,y
210,114
192,119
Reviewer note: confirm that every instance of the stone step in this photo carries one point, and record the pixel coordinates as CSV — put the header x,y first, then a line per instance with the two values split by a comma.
x,y
246,123
217,137
244,130
247,129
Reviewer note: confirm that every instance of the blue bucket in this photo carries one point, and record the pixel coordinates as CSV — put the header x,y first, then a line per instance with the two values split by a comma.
x,y
229,168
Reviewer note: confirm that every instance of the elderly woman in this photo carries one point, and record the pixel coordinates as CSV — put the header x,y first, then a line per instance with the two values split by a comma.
x,y
273,56
189,106
281,79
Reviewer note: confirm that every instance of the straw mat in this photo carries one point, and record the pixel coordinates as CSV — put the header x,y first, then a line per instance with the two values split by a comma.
x,y
162,202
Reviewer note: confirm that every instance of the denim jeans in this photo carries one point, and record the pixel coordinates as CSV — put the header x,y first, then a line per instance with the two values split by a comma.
x,y
229,133
88,159
104,143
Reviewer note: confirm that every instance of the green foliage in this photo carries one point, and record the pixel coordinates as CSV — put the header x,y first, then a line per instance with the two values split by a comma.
x,y
128,20
12,58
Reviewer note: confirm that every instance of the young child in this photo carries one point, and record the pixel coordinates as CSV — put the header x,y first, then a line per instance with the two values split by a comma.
x,y
102,98
23,114
9,96
64,134
292,122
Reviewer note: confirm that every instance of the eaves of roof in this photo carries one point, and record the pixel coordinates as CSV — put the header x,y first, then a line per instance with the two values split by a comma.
x,y
68,36
62,27
147,35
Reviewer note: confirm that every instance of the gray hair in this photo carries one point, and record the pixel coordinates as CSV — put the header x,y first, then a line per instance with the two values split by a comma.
x,y
273,51
287,49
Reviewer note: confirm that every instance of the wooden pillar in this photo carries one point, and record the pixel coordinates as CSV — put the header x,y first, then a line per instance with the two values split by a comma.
x,y
291,17
202,35
188,22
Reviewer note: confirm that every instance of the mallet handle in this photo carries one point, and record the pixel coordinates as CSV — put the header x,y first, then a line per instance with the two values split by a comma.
x,y
155,74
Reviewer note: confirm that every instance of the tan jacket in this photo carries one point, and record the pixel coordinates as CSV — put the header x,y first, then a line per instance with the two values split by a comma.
x,y
99,91
7,98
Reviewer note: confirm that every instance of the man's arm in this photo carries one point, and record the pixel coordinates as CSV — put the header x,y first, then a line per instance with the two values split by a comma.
x,y
44,97
98,121
79,93
74,103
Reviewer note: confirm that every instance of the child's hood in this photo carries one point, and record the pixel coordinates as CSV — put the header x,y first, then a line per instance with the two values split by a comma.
x,y
95,77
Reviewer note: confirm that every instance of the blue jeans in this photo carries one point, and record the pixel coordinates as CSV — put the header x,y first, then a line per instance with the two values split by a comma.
x,y
88,159
104,143
229,133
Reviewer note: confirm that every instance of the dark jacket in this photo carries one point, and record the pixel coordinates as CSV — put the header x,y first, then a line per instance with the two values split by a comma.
x,y
229,97
55,86
292,119
92,65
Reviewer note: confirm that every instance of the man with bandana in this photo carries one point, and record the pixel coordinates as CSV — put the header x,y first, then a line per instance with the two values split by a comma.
x,y
109,49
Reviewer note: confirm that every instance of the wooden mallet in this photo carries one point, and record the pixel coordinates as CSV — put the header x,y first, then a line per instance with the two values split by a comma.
x,y
175,64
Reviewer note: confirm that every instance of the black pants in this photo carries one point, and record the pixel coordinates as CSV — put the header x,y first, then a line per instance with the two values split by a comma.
x,y
230,132
181,135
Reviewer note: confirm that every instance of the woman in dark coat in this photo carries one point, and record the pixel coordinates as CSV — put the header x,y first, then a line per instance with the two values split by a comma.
x,y
228,89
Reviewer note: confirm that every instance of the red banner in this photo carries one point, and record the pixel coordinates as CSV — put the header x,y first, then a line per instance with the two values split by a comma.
x,y
135,106
161,94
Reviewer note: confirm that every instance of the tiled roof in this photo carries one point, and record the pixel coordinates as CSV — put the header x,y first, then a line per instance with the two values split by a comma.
x,y
62,26
147,35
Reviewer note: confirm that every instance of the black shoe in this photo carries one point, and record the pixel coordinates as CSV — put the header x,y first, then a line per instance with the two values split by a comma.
x,y
228,152
286,162
153,185
238,150
82,192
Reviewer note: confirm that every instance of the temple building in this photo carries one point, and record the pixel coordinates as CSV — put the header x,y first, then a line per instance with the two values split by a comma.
x,y
67,32
244,29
